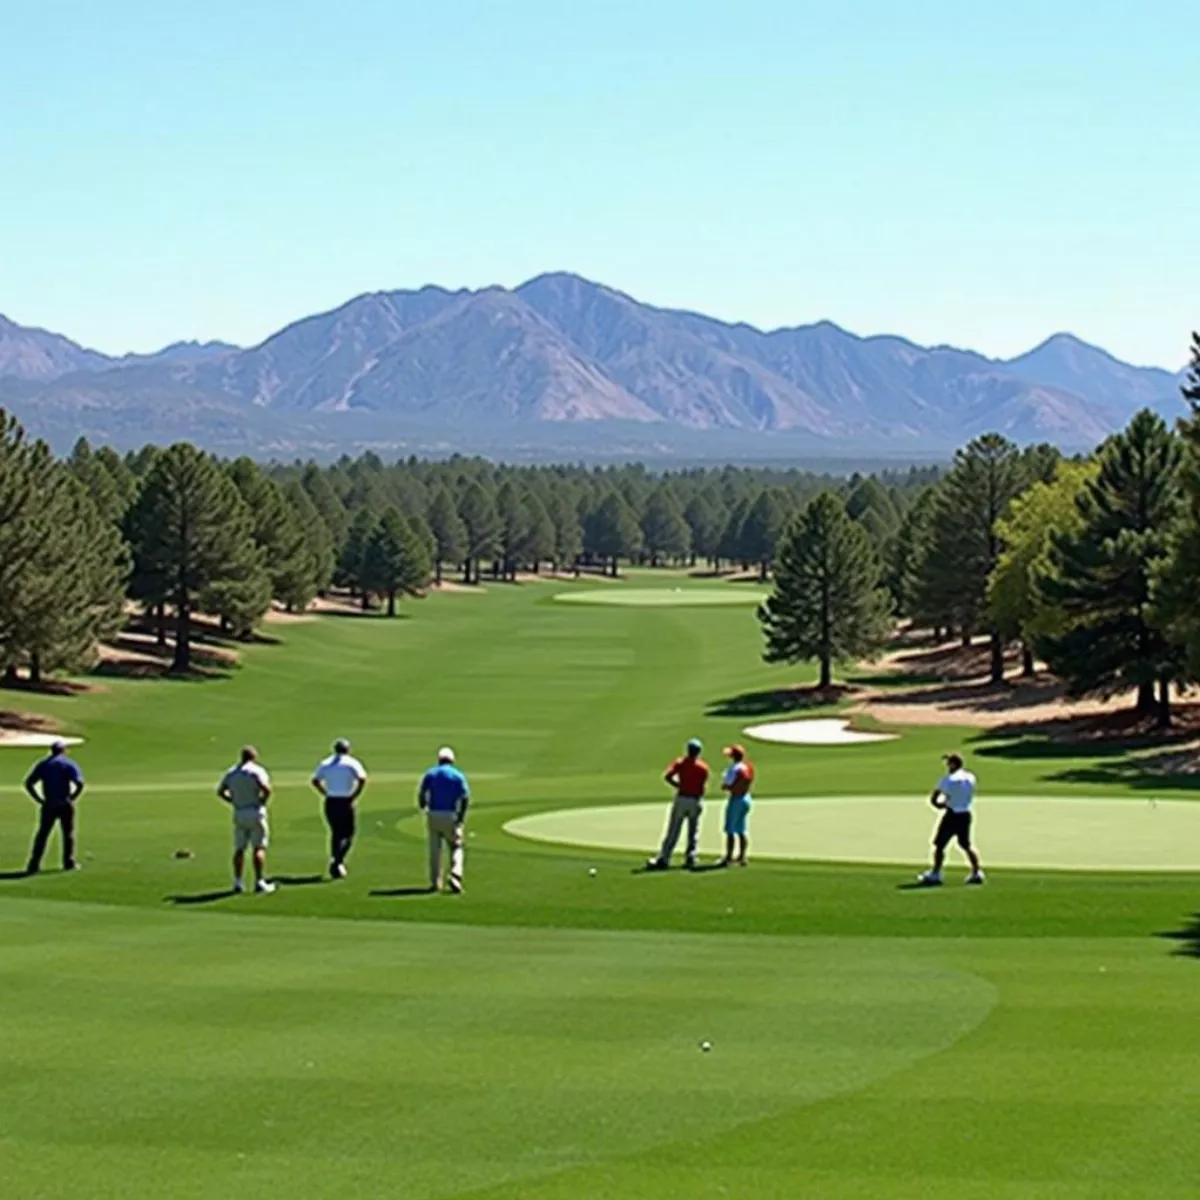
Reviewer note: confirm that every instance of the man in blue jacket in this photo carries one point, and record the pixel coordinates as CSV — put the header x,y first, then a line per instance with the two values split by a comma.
x,y
443,797
60,781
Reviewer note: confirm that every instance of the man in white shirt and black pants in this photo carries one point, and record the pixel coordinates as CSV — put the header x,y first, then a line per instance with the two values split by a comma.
x,y
954,795
339,779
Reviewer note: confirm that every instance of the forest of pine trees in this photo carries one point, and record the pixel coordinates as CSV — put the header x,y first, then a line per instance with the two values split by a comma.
x,y
1091,566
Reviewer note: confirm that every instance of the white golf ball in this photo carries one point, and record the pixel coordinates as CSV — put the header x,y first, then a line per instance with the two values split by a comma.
x,y
592,872
706,1046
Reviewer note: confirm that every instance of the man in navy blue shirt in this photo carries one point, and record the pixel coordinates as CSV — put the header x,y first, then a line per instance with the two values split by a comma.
x,y
61,782
443,797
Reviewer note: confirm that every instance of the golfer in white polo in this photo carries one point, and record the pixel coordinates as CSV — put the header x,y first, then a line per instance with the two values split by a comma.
x,y
954,796
246,788
339,779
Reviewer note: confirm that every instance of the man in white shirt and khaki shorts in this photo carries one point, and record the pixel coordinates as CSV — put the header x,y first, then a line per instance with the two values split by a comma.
x,y
954,796
339,779
246,788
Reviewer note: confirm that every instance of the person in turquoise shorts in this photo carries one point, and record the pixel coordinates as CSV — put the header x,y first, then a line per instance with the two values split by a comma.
x,y
737,781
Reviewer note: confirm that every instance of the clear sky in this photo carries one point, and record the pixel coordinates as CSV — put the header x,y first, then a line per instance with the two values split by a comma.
x,y
981,173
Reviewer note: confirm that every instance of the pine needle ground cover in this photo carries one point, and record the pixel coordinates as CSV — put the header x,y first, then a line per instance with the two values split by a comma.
x,y
541,1036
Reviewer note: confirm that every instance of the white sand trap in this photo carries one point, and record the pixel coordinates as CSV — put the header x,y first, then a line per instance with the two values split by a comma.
x,y
13,737
816,731
664,597
1040,834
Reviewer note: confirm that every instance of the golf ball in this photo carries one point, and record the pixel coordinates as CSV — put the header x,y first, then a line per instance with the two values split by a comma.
x,y
706,1046
592,872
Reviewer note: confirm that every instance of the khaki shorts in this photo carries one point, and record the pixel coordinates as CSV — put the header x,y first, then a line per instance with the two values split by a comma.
x,y
250,829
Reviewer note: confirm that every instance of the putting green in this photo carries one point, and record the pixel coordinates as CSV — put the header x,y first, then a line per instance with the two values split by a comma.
x,y
664,597
1012,831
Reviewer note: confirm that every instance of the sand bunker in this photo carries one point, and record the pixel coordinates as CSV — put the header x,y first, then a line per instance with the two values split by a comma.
x,y
21,738
1039,834
815,731
664,597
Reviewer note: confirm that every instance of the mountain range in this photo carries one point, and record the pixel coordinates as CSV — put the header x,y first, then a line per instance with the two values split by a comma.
x,y
563,365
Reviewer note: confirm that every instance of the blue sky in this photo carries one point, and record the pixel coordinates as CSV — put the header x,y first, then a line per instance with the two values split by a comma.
x,y
982,174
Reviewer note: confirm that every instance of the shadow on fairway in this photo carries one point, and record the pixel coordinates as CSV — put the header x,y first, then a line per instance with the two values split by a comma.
x,y
403,891
916,885
1188,938
202,897
21,874
297,880
784,700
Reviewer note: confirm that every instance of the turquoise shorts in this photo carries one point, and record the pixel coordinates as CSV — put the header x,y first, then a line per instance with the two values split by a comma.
x,y
737,815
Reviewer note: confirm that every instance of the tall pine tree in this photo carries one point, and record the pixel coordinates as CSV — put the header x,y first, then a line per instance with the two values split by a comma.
x,y
827,604
190,529
1101,576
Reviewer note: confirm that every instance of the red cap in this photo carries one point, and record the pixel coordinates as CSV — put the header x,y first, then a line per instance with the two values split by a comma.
x,y
734,752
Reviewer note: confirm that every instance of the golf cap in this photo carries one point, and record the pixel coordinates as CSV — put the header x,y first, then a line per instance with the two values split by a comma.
x,y
57,746
734,752
341,746
694,745
952,758
446,755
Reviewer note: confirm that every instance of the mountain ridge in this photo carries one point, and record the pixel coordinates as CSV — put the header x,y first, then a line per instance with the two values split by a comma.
x,y
560,350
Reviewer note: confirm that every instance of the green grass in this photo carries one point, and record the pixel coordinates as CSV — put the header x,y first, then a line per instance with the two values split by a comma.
x,y
539,1036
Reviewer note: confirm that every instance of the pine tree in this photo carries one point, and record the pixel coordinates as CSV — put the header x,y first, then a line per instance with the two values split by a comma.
x,y
568,531
449,532
18,534
191,531
71,593
827,603
317,538
907,552
1178,584
354,549
762,529
282,540
729,546
539,545
1102,575
478,511
665,533
611,532
396,560
326,501
515,528
965,545
706,516
98,481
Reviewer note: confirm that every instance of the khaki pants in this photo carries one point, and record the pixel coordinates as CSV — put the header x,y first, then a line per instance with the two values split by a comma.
x,y
445,830
685,809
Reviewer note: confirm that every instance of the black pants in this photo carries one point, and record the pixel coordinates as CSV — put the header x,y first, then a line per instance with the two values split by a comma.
x,y
52,814
339,815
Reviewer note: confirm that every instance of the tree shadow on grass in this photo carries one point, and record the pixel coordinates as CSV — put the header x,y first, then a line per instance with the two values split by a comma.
x,y
777,702
202,897
1187,939
159,671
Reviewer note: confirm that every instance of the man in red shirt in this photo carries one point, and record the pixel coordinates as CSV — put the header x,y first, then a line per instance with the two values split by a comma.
x,y
689,777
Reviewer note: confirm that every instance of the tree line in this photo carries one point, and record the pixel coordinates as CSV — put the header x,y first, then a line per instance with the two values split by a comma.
x,y
1089,564
1086,564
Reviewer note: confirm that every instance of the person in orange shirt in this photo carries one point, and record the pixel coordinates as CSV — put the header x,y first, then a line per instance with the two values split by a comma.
x,y
739,777
689,777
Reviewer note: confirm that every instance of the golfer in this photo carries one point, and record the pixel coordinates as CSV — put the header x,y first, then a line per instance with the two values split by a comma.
x,y
689,777
61,782
737,781
443,797
246,788
954,796
339,780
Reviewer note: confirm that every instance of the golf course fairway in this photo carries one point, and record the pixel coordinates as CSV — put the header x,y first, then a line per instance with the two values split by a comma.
x,y
571,1026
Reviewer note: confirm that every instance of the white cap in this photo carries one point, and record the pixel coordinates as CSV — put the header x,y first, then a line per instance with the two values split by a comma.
x,y
445,754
